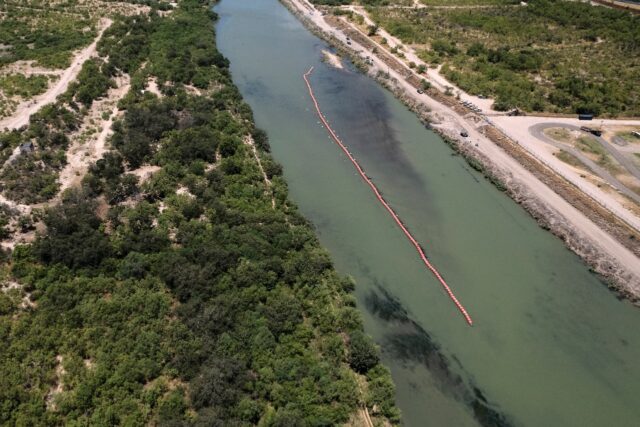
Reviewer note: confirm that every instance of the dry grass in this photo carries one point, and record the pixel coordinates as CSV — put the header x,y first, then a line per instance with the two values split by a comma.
x,y
559,134
629,136
571,160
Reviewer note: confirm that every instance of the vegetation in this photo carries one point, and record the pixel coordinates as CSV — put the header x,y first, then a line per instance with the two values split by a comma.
x,y
187,299
25,87
628,136
32,177
332,2
557,56
38,36
45,35
468,2
589,145
559,134
570,159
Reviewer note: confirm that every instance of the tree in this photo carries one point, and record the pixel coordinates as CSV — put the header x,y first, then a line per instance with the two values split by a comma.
x,y
172,408
363,354
73,238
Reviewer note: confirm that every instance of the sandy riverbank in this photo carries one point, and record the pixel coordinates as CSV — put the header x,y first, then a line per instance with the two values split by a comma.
x,y
605,254
332,59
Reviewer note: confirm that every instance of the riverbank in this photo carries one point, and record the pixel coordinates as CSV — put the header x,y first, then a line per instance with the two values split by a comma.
x,y
607,244
622,5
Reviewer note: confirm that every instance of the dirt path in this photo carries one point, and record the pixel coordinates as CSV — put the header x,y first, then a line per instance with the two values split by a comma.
x,y
27,68
152,86
83,152
432,75
248,140
85,149
27,108
452,119
23,209
366,417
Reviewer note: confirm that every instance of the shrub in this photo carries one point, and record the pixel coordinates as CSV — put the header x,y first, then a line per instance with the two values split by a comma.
x,y
363,353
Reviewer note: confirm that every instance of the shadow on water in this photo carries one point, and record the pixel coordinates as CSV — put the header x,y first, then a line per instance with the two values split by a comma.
x,y
409,343
369,134
551,346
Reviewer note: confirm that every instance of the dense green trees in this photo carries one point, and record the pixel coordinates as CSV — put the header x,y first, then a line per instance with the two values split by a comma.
x,y
143,125
73,236
557,56
186,299
93,82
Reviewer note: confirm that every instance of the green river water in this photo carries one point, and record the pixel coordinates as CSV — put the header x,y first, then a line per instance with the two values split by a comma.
x,y
551,345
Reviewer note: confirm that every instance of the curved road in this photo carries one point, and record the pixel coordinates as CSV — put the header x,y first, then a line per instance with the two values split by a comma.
x,y
537,131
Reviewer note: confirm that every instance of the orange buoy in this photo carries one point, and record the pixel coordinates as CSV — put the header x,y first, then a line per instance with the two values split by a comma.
x,y
384,203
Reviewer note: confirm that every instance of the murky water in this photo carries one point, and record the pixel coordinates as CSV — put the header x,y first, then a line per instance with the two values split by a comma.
x,y
551,346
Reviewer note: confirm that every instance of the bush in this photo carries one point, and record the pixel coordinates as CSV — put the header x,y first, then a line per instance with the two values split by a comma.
x,y
73,237
363,353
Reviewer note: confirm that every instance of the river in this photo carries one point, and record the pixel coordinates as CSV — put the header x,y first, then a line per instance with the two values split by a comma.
x,y
551,345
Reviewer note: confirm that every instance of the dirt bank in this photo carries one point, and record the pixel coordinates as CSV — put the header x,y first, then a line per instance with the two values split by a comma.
x,y
332,59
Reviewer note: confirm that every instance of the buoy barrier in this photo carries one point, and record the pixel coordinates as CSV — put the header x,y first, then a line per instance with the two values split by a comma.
x,y
384,203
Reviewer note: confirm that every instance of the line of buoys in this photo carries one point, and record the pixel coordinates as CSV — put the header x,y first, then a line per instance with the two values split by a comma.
x,y
384,203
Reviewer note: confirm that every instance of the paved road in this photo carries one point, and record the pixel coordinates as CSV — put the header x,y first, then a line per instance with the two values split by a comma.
x,y
620,157
537,131
625,161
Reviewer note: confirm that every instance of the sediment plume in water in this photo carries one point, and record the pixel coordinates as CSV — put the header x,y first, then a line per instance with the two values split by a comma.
x,y
384,203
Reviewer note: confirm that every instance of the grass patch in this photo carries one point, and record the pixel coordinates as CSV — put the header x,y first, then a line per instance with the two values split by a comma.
x,y
23,86
559,134
628,136
570,159
588,144
610,165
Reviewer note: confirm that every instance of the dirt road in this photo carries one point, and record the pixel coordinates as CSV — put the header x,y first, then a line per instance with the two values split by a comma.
x,y
537,131
512,128
27,108
451,123
82,153
518,129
